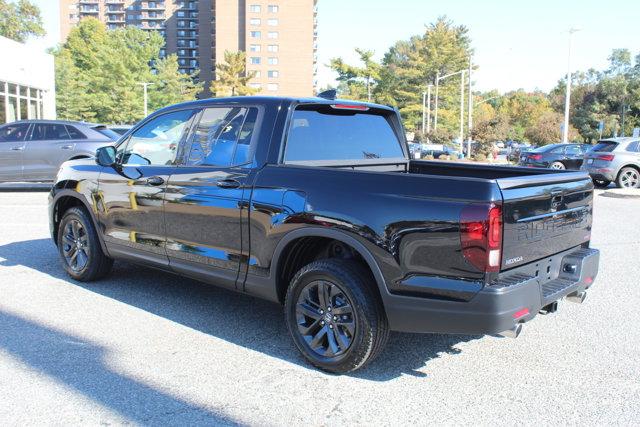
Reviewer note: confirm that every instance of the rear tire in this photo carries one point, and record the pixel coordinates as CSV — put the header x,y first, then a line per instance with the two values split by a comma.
x,y
628,178
557,166
80,251
601,183
334,316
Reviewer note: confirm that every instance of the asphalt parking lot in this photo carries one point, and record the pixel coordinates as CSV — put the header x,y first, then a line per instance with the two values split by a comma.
x,y
146,347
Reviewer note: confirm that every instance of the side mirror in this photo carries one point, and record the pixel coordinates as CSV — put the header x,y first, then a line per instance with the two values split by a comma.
x,y
106,156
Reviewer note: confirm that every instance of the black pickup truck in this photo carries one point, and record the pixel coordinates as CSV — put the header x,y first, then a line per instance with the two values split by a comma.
x,y
315,204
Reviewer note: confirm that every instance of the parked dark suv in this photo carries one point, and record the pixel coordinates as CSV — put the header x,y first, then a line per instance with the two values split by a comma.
x,y
555,156
315,204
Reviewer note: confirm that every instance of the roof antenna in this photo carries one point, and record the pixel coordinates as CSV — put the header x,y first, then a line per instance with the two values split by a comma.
x,y
328,94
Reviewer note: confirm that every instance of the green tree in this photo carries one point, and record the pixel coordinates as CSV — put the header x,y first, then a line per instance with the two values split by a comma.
x,y
547,129
19,21
170,86
98,74
232,77
412,64
358,82
486,132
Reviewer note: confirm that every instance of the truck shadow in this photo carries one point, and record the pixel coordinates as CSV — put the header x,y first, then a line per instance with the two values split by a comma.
x,y
237,318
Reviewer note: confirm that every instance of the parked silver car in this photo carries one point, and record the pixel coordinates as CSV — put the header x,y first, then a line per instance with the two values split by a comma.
x,y
614,159
33,150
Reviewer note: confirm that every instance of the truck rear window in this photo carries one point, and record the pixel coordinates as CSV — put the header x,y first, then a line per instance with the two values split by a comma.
x,y
322,133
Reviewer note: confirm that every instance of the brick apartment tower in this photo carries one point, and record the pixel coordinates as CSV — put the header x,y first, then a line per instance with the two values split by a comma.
x,y
279,36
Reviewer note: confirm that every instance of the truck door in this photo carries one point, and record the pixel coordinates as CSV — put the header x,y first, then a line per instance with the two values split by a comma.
x,y
207,237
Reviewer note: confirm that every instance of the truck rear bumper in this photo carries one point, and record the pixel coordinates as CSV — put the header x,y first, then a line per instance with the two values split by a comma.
x,y
516,296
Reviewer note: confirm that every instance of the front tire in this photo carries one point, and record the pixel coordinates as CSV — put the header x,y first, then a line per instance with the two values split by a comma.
x,y
334,316
557,166
80,251
601,183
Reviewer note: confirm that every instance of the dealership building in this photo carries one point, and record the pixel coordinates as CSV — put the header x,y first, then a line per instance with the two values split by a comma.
x,y
27,83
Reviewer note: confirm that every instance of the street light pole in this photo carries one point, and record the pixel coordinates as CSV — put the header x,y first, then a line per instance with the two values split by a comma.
x,y
567,100
461,141
424,115
470,112
144,89
429,108
435,121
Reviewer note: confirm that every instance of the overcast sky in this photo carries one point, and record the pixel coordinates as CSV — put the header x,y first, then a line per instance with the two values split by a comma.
x,y
518,44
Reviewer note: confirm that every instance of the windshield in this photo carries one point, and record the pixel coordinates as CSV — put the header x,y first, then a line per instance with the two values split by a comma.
x,y
324,133
545,148
606,146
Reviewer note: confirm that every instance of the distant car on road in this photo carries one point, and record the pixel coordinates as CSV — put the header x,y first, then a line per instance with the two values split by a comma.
x,y
516,149
33,150
555,156
615,159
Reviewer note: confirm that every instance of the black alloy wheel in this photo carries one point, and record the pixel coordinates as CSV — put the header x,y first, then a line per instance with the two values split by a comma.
x,y
80,251
335,315
325,318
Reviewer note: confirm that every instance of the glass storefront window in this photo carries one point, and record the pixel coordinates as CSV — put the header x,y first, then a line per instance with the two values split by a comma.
x,y
3,109
12,111
27,105
23,109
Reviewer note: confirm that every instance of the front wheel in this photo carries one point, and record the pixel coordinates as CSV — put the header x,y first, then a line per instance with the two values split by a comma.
x,y
601,183
628,178
557,166
334,316
79,247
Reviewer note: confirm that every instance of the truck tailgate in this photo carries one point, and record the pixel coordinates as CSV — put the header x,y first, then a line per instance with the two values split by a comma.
x,y
544,215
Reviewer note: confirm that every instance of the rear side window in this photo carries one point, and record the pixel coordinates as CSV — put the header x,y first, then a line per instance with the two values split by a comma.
x,y
573,150
605,146
223,137
74,133
322,133
49,132
13,133
634,147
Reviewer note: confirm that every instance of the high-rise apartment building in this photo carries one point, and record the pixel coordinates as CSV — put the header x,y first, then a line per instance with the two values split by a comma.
x,y
278,36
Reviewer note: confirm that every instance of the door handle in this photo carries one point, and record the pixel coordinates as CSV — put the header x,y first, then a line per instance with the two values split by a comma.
x,y
155,180
228,183
17,148
66,147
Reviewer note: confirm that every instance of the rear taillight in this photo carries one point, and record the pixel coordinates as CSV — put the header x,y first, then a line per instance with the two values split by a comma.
x,y
481,236
535,156
605,157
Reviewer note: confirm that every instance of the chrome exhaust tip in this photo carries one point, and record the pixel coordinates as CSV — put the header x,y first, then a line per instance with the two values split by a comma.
x,y
577,297
513,332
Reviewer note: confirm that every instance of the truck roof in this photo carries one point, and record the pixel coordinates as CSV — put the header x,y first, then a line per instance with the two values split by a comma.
x,y
274,101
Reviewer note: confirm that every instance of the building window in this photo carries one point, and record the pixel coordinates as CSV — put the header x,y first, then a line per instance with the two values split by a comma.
x,y
256,74
272,22
272,8
255,34
254,48
255,60
272,35
255,8
255,85
272,48
273,74
272,61
272,86
254,21
19,102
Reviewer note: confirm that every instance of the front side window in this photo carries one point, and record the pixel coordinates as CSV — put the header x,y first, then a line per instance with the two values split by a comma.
x,y
324,133
156,142
14,132
223,137
634,147
573,150
49,132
